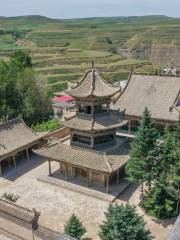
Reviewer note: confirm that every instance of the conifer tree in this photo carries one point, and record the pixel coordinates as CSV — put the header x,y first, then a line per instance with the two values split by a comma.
x,y
74,228
123,223
167,154
158,202
139,167
163,199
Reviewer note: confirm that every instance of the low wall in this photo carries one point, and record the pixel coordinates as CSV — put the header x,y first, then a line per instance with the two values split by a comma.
x,y
59,133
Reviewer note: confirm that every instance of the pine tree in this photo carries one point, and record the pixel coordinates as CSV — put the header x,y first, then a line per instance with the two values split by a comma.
x,y
74,228
158,201
174,186
139,167
174,181
122,223
167,154
163,200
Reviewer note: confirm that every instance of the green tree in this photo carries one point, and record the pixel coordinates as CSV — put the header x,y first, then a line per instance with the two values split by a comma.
x,y
21,59
123,223
74,228
174,181
167,154
139,168
23,92
158,202
163,199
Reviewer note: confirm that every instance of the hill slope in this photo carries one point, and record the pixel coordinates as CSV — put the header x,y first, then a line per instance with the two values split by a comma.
x,y
63,49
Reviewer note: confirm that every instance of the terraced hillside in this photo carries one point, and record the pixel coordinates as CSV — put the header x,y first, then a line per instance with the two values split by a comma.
x,y
63,49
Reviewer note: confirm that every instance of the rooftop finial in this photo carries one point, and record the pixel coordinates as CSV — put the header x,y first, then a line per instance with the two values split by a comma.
x,y
92,64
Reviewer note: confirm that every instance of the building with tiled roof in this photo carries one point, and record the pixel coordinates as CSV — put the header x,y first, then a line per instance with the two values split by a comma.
x,y
94,151
23,223
160,94
16,137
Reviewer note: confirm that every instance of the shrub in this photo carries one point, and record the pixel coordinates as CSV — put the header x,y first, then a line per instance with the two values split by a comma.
x,y
74,227
47,126
10,197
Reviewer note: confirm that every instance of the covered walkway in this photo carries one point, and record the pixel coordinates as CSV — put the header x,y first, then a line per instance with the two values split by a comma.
x,y
16,140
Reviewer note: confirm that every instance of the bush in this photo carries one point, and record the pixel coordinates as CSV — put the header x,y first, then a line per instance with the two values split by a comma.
x,y
10,197
47,126
74,227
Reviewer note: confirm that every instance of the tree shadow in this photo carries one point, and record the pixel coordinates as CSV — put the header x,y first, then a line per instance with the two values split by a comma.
x,y
126,195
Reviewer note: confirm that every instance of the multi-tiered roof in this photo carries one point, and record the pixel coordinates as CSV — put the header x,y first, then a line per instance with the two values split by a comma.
x,y
94,90
93,85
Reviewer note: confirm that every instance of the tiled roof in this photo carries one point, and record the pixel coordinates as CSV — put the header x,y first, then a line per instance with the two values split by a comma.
x,y
29,216
93,85
17,211
86,158
160,94
47,234
175,231
97,122
14,135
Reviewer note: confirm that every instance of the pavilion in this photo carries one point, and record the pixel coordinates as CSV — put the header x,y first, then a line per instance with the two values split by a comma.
x,y
94,153
17,138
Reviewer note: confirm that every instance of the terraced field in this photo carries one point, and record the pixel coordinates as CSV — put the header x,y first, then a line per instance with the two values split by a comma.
x,y
63,49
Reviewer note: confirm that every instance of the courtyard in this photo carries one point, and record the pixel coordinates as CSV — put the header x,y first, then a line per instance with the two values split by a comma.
x,y
57,204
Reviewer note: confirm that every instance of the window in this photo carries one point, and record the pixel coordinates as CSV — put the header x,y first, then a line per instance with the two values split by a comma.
x,y
85,109
81,139
104,139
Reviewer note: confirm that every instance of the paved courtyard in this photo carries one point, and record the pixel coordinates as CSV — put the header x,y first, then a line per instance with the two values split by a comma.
x,y
57,204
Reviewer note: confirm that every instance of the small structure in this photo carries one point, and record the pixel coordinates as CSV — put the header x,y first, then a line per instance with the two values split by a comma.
x,y
16,137
61,104
94,152
23,223
160,94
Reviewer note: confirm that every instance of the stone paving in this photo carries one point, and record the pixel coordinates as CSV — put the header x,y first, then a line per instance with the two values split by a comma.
x,y
57,204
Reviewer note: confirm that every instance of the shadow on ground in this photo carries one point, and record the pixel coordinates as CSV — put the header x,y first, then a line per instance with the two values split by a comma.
x,y
126,195
23,167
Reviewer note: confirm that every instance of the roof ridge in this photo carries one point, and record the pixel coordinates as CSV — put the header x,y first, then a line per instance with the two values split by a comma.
x,y
128,82
14,120
86,149
107,161
81,79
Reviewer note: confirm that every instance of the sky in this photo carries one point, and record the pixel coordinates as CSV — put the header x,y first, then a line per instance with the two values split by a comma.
x,y
89,8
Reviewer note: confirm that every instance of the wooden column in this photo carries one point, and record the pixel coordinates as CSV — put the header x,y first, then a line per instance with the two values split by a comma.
x,y
0,170
67,178
92,142
107,185
22,154
9,162
129,127
87,178
27,154
49,167
92,109
108,108
14,160
117,175
60,169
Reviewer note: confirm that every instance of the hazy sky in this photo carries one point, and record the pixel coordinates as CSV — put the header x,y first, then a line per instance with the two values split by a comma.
x,y
89,8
